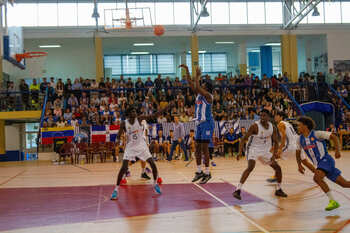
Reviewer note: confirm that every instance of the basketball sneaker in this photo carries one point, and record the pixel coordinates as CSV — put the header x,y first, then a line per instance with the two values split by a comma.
x,y
157,189
198,175
237,194
114,195
273,179
205,179
145,176
128,173
148,170
332,205
280,193
124,181
213,163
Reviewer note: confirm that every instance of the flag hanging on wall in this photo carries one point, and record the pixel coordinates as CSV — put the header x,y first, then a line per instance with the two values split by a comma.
x,y
49,134
104,133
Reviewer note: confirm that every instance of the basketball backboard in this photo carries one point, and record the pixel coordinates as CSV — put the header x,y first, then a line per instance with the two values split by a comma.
x,y
13,44
127,18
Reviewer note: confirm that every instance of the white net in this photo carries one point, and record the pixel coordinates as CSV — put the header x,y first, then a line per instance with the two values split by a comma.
x,y
117,18
36,66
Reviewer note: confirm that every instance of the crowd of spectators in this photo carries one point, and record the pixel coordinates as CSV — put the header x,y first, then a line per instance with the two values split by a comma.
x,y
85,102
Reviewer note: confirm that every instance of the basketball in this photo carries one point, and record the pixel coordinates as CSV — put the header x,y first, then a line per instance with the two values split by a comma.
x,y
158,30
128,24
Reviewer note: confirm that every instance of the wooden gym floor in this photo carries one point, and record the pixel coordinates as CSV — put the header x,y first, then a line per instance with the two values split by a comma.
x,y
40,197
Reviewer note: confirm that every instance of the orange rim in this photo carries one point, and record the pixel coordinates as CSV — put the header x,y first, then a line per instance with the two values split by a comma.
x,y
21,56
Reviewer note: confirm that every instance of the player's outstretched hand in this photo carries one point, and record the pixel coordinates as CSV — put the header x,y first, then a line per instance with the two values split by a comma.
x,y
337,154
301,169
183,66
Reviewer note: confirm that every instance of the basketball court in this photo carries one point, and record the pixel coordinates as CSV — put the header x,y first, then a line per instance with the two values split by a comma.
x,y
40,197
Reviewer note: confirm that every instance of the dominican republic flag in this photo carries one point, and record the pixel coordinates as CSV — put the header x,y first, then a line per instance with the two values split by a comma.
x,y
104,133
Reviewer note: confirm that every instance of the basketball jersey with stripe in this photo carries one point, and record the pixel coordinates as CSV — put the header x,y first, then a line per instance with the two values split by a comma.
x,y
134,134
203,109
291,137
261,141
314,147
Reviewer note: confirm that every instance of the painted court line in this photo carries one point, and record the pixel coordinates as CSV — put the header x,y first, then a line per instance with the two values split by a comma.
x,y
269,202
11,178
228,206
83,168
341,228
232,209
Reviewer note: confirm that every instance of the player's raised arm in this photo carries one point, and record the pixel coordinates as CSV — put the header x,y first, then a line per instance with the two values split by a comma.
x,y
252,130
195,85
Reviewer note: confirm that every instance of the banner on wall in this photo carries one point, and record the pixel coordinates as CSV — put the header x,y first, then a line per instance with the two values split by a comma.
x,y
341,65
108,133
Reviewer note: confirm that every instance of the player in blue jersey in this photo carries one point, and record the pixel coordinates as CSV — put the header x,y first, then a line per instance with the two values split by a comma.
x,y
313,144
204,123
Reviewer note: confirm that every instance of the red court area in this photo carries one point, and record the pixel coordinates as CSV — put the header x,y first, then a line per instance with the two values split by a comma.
x,y
33,207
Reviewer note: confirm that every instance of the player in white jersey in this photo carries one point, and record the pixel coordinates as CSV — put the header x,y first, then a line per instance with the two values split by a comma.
x,y
288,143
136,146
144,169
262,135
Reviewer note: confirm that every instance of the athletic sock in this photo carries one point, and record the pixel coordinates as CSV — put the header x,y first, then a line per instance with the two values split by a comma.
x,y
207,170
329,195
116,188
199,168
239,186
278,186
143,170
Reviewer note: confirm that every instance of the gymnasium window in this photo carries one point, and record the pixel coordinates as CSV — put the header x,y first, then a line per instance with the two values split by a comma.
x,y
210,62
31,132
166,12
140,64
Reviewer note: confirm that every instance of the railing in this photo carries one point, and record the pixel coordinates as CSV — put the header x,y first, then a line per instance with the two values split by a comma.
x,y
41,120
339,96
20,101
285,88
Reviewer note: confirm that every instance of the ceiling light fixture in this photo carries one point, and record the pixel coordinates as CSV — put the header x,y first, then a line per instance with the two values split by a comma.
x,y
143,44
273,44
139,53
224,42
50,46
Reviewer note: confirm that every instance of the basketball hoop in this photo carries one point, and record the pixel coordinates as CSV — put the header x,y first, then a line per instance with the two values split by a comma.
x,y
21,56
35,66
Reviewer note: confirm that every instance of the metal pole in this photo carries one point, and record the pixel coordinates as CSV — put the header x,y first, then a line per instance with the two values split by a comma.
x,y
199,16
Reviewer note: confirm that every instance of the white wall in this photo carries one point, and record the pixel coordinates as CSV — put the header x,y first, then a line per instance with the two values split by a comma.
x,y
75,58
12,137
338,46
301,56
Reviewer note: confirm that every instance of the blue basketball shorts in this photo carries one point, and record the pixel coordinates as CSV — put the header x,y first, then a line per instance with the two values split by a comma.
x,y
327,164
204,131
